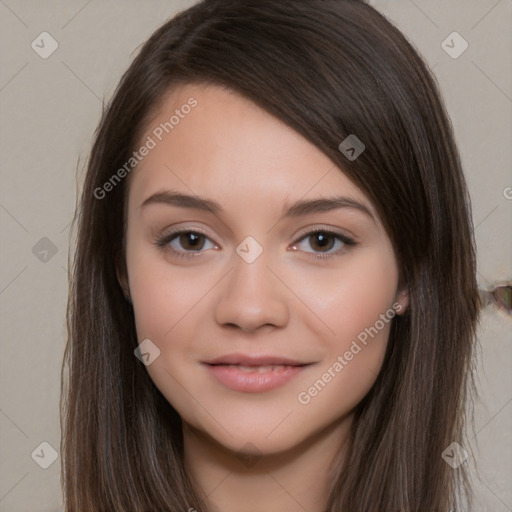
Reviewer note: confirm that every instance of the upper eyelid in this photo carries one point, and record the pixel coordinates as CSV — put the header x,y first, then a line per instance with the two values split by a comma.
x,y
303,233
178,231
332,230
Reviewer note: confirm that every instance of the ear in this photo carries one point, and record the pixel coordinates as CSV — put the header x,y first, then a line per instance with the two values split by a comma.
x,y
402,300
122,278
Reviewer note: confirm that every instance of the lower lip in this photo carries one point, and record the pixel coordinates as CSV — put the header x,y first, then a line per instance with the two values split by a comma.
x,y
253,382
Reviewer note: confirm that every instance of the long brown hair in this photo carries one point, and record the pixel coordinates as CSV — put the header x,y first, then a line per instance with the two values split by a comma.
x,y
327,68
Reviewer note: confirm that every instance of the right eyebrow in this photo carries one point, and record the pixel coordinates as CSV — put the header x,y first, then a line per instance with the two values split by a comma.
x,y
173,198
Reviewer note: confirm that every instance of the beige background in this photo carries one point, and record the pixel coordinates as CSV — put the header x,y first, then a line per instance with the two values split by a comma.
x,y
50,108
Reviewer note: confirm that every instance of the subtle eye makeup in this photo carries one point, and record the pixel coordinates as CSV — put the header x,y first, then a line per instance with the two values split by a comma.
x,y
324,239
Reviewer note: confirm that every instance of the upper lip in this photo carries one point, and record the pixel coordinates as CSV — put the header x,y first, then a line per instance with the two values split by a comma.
x,y
254,360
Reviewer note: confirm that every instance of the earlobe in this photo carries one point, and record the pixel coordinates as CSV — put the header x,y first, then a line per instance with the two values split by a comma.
x,y
402,301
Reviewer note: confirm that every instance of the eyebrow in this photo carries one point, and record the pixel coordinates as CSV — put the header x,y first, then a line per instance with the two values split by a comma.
x,y
296,209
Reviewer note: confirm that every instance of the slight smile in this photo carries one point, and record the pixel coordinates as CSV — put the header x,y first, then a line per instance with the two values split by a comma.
x,y
254,374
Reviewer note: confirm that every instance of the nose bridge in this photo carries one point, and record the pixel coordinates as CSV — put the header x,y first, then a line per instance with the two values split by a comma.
x,y
252,295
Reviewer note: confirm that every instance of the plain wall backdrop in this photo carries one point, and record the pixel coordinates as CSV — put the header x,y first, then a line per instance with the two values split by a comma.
x,y
62,59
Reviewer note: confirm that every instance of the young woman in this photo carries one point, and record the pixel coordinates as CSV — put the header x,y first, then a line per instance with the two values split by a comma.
x,y
273,302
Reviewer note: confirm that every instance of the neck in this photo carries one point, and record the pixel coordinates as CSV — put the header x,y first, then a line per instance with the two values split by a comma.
x,y
294,480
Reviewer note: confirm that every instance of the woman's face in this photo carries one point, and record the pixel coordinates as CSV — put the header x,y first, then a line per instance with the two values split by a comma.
x,y
268,334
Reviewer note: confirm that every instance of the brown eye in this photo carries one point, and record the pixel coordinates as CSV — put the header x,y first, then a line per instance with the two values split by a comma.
x,y
185,243
190,240
322,241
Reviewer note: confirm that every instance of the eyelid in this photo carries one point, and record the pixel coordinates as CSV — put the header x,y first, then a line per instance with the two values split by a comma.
x,y
166,233
165,238
347,240
304,232
324,228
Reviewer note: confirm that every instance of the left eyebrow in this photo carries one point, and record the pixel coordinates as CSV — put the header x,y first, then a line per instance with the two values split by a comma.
x,y
307,207
297,209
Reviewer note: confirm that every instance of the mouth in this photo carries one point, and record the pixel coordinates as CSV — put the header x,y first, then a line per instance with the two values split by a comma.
x,y
254,374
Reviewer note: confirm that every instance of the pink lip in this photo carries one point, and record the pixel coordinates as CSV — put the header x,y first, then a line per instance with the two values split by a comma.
x,y
254,360
254,381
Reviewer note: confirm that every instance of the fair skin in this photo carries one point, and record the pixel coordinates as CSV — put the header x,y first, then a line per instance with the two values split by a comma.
x,y
248,449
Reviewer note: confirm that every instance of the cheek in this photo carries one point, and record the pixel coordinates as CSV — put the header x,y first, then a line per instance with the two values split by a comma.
x,y
353,296
164,302
162,294
356,313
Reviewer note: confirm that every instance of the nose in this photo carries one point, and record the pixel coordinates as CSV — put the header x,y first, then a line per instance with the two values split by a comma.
x,y
252,296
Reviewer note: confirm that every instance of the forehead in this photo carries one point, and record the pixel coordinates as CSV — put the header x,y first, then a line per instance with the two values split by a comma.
x,y
228,148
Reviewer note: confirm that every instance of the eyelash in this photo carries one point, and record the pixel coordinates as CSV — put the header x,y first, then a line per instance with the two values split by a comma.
x,y
163,242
